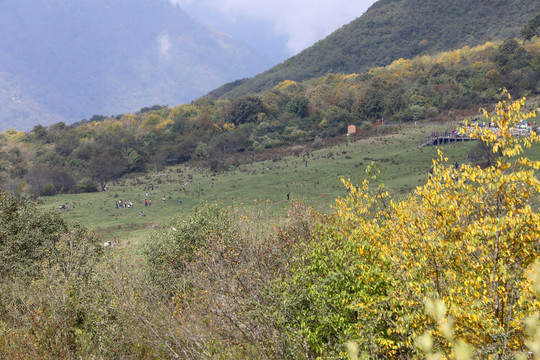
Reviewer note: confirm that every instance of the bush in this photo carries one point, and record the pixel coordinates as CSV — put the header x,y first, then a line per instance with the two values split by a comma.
x,y
46,295
27,237
215,267
170,251
313,299
318,142
87,185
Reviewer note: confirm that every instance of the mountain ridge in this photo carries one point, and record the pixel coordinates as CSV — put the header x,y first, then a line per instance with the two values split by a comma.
x,y
392,29
72,59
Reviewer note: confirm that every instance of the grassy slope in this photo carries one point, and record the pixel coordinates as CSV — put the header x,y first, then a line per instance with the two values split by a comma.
x,y
403,165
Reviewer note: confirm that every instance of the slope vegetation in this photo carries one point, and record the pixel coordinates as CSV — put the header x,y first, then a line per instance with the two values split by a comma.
x,y
393,29
225,133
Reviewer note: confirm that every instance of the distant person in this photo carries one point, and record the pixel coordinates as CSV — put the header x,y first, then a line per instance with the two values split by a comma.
x,y
145,202
163,200
288,197
180,201
150,202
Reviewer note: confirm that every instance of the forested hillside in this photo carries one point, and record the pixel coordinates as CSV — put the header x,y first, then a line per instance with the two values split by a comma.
x,y
392,29
82,156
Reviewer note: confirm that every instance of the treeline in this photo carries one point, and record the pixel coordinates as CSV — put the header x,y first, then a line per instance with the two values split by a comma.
x,y
82,156
452,271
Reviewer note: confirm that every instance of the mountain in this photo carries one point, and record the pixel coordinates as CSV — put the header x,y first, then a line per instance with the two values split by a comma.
x,y
65,60
393,29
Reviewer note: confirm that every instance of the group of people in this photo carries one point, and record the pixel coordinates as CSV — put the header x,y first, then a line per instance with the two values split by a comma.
x,y
125,204
147,202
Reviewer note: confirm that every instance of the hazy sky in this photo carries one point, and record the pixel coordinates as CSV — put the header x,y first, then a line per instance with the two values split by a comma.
x,y
293,24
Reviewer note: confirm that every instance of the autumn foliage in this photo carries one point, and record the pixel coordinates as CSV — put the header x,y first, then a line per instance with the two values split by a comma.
x,y
447,266
467,237
445,272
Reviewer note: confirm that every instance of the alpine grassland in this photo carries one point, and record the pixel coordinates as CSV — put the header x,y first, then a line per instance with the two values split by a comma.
x,y
427,252
310,176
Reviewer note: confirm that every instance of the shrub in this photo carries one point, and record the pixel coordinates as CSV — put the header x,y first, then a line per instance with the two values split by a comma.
x,y
87,185
27,237
170,250
318,142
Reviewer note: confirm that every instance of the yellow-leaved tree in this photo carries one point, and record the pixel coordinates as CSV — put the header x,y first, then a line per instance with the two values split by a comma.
x,y
467,237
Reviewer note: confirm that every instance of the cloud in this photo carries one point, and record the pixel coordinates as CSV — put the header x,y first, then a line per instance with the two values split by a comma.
x,y
164,43
181,2
303,22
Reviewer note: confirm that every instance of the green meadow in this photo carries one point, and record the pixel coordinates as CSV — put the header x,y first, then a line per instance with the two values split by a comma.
x,y
309,176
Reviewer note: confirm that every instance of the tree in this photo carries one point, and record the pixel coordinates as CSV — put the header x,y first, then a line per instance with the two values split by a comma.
x,y
108,164
532,28
26,237
371,105
245,110
225,145
337,120
39,132
299,106
66,144
464,237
